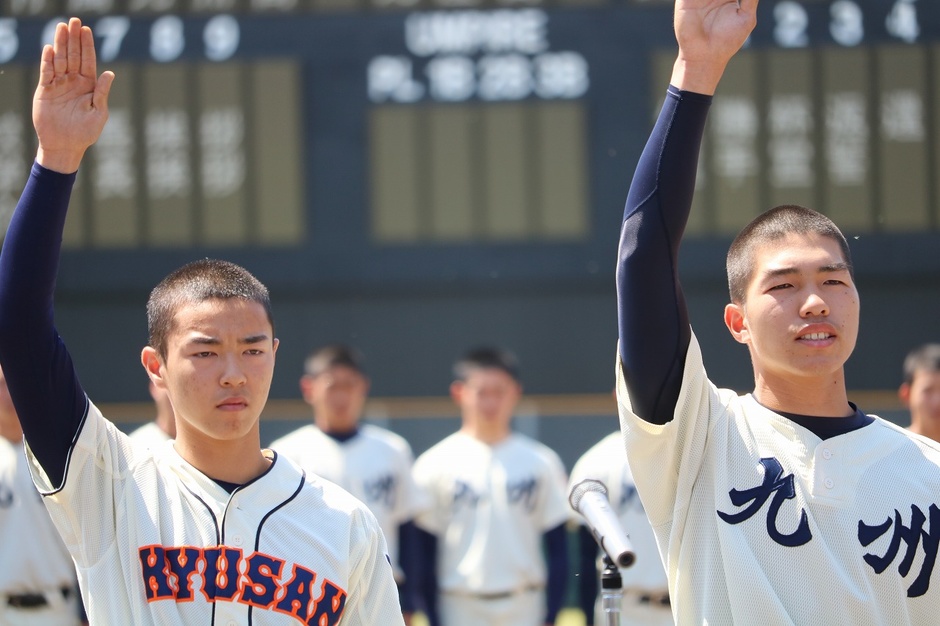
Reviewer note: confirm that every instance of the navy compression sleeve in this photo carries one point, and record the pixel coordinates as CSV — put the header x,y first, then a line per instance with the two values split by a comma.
x,y
587,573
556,550
46,392
653,318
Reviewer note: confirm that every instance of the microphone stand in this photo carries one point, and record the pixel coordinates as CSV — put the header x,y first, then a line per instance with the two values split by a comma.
x,y
611,592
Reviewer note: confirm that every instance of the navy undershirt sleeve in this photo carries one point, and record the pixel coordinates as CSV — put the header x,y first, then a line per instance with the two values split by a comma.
x,y
556,551
408,560
427,575
587,573
652,314
45,390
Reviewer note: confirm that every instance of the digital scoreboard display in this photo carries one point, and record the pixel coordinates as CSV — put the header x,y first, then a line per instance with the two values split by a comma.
x,y
389,124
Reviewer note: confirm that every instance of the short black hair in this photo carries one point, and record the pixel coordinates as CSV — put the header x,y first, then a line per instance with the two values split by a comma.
x,y
197,282
772,225
325,357
486,357
925,357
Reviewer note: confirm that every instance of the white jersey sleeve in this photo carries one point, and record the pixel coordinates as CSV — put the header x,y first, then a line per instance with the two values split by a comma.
x,y
157,542
760,521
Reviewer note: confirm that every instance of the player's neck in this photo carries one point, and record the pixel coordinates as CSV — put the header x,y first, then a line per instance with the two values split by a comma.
x,y
489,434
237,461
817,396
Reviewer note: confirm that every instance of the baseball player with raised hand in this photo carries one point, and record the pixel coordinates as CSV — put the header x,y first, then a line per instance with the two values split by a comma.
x,y
787,505
211,529
494,538
37,578
374,464
645,587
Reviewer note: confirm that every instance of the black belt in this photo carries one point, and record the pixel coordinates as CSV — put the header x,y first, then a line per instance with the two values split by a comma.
x,y
656,600
500,595
33,600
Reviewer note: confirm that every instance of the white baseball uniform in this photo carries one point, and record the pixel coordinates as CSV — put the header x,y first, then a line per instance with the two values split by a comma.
x,y
158,542
490,505
374,465
33,559
149,435
751,510
644,583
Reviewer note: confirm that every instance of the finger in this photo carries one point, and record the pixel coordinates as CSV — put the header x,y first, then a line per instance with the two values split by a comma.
x,y
61,46
75,45
46,66
748,6
89,60
99,100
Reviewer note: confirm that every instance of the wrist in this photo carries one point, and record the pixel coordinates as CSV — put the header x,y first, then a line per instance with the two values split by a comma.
x,y
63,162
697,76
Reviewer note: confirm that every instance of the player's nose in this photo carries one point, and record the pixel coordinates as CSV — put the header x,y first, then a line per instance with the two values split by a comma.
x,y
814,305
233,374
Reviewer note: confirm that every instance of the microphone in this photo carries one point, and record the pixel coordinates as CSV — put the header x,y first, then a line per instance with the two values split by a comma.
x,y
589,498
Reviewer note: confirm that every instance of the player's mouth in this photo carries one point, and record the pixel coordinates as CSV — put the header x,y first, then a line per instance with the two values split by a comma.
x,y
233,404
816,336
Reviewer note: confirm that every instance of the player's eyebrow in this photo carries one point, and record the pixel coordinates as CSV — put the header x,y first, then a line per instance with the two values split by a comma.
x,y
206,340
829,268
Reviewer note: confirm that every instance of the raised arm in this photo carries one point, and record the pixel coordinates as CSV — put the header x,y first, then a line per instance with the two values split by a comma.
x,y
653,319
69,112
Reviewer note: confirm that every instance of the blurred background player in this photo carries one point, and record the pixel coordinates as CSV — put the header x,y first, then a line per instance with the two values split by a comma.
x,y
494,540
645,585
920,391
37,577
372,463
163,426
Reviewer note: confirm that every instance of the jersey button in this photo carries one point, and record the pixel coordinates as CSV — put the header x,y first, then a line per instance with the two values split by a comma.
x,y
828,482
827,453
237,540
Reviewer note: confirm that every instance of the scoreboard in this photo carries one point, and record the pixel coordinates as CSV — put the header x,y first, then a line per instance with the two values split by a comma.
x,y
360,138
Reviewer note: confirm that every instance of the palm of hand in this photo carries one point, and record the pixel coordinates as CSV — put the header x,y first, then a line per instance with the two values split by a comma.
x,y
706,29
64,113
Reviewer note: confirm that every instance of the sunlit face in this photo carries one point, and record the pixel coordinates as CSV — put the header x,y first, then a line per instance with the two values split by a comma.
x,y
488,397
801,313
922,397
218,369
337,396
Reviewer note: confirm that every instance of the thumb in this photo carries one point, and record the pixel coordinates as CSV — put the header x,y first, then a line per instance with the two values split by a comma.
x,y
99,100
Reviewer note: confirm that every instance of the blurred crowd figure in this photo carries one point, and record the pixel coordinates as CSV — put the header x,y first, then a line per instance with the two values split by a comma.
x,y
645,586
493,541
163,426
920,391
38,585
372,463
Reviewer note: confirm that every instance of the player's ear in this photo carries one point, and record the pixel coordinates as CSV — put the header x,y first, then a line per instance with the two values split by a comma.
x,y
306,387
153,365
456,391
904,393
736,322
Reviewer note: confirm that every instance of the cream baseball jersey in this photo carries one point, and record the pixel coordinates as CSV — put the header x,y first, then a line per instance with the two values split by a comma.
x,y
761,521
32,555
375,466
149,435
606,461
171,546
490,505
